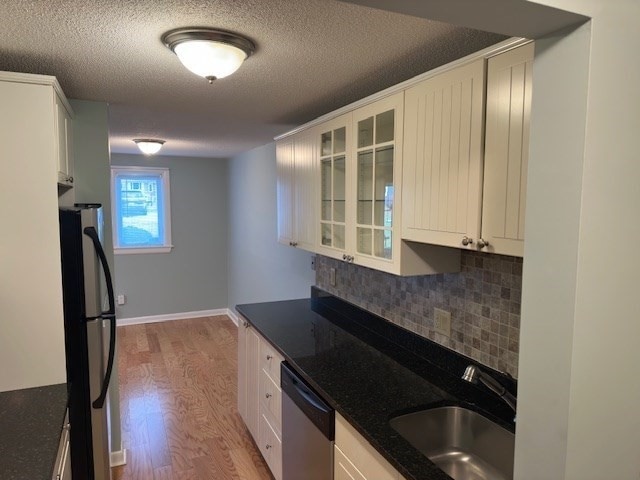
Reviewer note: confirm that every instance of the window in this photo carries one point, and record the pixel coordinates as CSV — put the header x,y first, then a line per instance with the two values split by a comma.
x,y
141,213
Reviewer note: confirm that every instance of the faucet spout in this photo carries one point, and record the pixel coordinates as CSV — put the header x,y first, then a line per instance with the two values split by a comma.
x,y
474,375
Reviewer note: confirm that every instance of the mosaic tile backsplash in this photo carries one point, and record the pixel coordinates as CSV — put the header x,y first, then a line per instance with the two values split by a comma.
x,y
484,301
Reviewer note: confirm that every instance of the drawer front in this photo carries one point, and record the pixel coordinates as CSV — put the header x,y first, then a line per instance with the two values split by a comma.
x,y
270,447
361,454
271,399
270,361
343,469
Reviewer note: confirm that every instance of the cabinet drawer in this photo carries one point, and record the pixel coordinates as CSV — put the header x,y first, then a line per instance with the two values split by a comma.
x,y
343,469
270,361
360,452
270,447
271,398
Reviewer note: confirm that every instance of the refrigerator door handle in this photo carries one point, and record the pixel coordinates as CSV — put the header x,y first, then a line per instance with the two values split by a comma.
x,y
108,315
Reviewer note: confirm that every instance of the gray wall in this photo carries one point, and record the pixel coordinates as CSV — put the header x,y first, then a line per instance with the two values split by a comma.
x,y
260,269
91,173
193,276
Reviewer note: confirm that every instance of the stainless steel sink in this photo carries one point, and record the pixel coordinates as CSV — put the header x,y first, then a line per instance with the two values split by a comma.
x,y
463,443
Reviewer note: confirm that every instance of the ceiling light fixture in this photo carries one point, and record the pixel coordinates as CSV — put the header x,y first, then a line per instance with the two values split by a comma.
x,y
149,146
210,53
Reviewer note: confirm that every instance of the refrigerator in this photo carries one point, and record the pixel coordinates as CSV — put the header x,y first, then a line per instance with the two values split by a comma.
x,y
90,336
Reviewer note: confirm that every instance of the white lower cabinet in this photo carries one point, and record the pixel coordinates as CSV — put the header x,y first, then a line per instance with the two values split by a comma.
x,y
356,459
259,394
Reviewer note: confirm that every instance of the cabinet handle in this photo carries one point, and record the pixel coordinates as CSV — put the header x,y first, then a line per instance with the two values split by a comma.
x,y
267,395
344,256
245,324
70,179
269,357
267,446
467,241
482,243
294,244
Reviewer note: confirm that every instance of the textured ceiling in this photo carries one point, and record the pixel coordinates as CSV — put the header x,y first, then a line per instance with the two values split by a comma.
x,y
312,57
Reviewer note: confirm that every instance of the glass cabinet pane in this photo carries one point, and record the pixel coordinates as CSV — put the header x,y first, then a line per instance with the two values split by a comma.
x,y
325,144
339,140
339,189
365,187
384,127
382,244
325,174
338,236
365,132
326,234
383,209
364,240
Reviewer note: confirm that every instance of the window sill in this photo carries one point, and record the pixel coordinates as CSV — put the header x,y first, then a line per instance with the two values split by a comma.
x,y
136,250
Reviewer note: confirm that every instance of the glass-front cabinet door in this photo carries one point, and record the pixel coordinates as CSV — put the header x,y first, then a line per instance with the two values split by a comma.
x,y
334,140
378,149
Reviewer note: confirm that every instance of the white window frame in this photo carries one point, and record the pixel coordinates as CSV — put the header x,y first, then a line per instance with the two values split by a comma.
x,y
142,171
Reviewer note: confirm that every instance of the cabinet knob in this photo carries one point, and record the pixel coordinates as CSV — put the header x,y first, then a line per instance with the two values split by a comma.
x,y
267,395
344,256
245,324
267,446
70,179
269,357
482,243
350,258
467,241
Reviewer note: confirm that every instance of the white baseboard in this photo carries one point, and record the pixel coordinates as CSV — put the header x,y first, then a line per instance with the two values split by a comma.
x,y
231,313
174,316
119,458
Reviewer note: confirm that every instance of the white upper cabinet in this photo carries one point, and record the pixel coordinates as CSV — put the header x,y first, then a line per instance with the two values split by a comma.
x,y
509,84
359,190
442,179
296,164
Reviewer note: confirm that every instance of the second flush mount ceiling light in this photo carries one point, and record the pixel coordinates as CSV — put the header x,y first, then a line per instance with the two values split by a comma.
x,y
207,52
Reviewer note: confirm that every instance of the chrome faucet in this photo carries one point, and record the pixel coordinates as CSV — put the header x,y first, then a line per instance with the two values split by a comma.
x,y
474,375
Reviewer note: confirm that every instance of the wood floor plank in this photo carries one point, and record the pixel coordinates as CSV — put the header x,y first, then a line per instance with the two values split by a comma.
x,y
178,387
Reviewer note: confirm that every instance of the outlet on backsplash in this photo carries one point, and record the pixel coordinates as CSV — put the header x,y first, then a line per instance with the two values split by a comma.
x,y
442,321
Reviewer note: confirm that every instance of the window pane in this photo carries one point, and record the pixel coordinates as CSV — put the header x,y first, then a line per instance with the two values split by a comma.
x,y
365,187
139,208
339,142
338,189
365,132
384,187
325,144
382,244
325,180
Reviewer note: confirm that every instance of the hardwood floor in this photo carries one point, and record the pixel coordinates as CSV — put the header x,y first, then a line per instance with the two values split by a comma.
x,y
178,388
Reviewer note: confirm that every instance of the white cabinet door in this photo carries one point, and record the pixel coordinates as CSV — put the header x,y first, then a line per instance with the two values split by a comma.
x,y
305,170
248,376
64,136
335,198
442,179
509,85
377,183
296,165
285,166
359,459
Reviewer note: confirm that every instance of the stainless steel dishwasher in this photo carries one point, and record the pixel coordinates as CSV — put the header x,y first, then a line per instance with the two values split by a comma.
x,y
308,428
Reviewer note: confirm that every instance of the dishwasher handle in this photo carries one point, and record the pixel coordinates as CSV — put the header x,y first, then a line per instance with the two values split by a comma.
x,y
308,401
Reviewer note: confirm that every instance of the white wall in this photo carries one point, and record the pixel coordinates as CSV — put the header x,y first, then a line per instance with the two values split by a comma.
x,y
260,269
91,173
603,390
193,276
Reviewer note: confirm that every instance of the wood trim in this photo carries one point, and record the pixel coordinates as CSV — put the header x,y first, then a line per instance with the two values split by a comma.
x,y
486,53
172,316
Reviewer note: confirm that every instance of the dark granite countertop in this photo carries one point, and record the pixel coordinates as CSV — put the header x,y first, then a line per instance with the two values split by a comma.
x,y
370,370
30,425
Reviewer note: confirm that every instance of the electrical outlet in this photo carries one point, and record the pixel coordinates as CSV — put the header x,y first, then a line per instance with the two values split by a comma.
x,y
122,299
332,277
442,322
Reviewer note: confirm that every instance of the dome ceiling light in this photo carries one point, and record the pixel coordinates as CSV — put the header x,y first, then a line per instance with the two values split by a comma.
x,y
149,146
210,53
